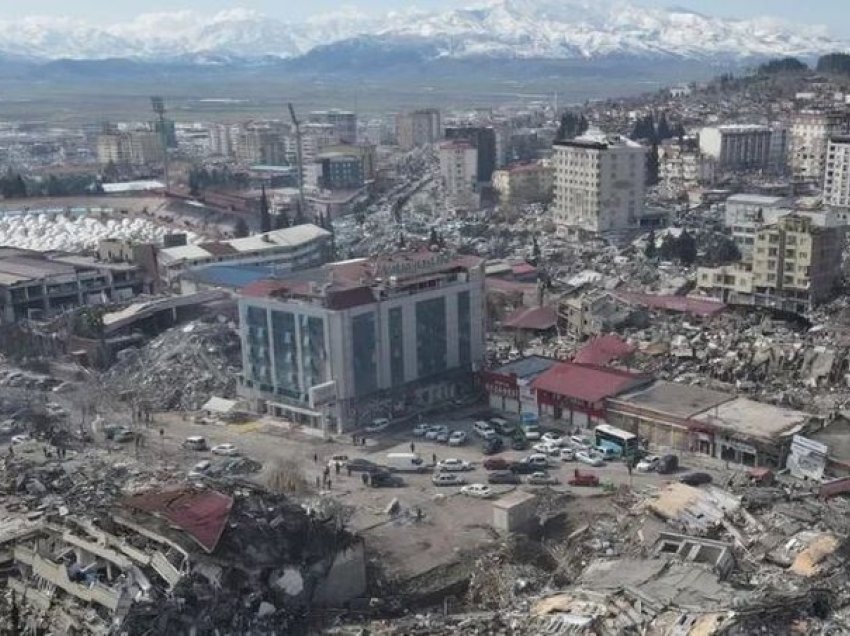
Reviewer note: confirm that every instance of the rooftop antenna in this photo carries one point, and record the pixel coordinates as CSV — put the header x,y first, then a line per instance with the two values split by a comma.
x,y
158,105
299,154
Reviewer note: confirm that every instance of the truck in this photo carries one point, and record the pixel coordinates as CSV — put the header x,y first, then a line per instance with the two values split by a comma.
x,y
406,463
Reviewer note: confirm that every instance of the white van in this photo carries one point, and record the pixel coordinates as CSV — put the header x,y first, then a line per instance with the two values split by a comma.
x,y
406,463
483,430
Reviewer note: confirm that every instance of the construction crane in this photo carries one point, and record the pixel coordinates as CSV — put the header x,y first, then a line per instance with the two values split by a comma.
x,y
158,104
298,151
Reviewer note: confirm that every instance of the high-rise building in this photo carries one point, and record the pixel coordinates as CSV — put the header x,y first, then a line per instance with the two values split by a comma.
x,y
737,147
418,128
224,139
484,140
344,123
113,147
682,167
145,147
836,181
261,146
341,171
334,347
746,214
810,135
459,171
600,183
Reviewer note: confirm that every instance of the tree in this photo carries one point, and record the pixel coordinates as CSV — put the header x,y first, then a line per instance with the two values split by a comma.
x,y
669,248
241,230
265,216
433,238
571,126
651,250
687,248
784,65
535,251
401,241
652,167
663,132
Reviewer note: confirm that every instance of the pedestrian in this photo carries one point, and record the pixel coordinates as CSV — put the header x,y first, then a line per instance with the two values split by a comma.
x,y
315,458
412,447
317,482
353,439
336,465
348,468
329,483
327,471
363,441
434,458
363,477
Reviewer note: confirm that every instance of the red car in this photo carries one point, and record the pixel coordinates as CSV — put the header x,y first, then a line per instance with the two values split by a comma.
x,y
496,463
584,479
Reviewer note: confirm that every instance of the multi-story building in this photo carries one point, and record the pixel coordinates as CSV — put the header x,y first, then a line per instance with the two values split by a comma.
x,y
344,123
289,249
737,147
524,183
795,265
261,146
484,140
600,183
340,171
223,139
459,171
780,141
145,147
682,168
418,128
810,135
836,181
746,213
113,147
337,346
366,153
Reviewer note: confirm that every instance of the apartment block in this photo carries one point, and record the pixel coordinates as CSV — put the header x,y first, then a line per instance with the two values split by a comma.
x,y
524,183
746,213
836,181
418,128
681,167
737,147
810,134
336,346
344,123
459,171
600,183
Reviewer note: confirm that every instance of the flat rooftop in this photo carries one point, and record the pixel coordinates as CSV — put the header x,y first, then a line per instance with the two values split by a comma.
x,y
754,419
525,368
676,400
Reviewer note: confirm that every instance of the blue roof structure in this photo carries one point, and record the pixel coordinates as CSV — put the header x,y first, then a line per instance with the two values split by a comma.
x,y
232,276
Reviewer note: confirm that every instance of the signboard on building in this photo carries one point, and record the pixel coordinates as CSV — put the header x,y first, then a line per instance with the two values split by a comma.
x,y
807,458
322,394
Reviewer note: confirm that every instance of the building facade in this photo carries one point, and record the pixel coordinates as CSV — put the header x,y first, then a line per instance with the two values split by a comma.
x,y
483,138
418,128
459,171
682,168
737,147
344,123
836,181
341,171
600,183
335,347
745,214
810,135
524,183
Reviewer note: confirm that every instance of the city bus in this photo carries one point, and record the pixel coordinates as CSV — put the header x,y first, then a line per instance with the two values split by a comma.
x,y
616,441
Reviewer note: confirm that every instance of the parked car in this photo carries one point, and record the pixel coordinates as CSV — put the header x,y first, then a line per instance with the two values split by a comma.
x,y
502,426
110,429
541,479
200,470
447,479
124,435
483,430
580,442
606,452
567,455
546,448
503,477
695,479
23,438
420,429
540,460
668,464
436,431
496,463
359,465
523,467
457,438
519,443
378,424
225,449
648,464
482,491
196,443
453,464
580,478
553,437
493,445
443,437
385,479
590,458
532,432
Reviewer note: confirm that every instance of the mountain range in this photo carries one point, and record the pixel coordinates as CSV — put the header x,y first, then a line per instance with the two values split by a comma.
x,y
498,29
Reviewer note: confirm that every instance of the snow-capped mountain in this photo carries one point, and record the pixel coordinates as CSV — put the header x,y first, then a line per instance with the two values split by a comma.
x,y
554,29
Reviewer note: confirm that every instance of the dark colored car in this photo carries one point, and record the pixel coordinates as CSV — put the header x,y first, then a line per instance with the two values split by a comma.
x,y
360,465
503,477
493,446
668,464
695,479
496,463
524,468
519,443
384,479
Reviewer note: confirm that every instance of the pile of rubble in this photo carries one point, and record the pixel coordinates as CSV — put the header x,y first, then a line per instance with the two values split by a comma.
x,y
180,369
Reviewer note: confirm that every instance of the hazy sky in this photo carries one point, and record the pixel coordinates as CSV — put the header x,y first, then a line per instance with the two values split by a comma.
x,y
835,13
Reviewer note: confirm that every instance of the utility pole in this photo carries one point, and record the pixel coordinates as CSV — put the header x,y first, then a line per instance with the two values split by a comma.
x,y
158,104
299,154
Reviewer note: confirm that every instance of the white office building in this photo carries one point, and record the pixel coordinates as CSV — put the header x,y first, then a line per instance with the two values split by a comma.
x,y
810,135
335,347
836,182
600,183
737,147
459,171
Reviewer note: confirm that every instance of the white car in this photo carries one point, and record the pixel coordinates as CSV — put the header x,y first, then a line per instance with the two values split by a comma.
x,y
457,438
580,442
590,458
552,437
420,429
567,455
199,470
532,433
483,430
648,464
378,424
453,465
482,491
447,479
541,479
225,449
20,439
435,431
546,448
538,460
